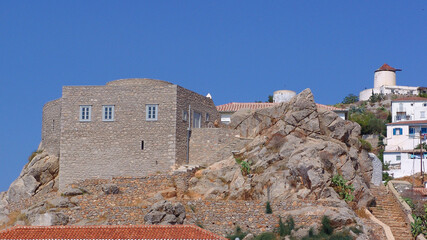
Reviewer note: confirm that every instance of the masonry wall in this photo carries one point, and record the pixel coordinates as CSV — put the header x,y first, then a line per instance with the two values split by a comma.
x,y
199,104
210,145
99,149
51,128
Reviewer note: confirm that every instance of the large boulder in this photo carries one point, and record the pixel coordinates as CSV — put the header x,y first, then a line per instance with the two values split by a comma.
x,y
50,219
39,174
165,213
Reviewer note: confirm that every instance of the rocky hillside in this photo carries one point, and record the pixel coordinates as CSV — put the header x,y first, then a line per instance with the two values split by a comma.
x,y
294,152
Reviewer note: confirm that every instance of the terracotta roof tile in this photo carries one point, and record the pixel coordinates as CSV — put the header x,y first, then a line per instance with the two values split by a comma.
x,y
234,107
386,67
412,99
109,232
408,122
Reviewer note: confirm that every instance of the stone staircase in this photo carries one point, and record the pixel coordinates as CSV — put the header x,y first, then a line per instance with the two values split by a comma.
x,y
389,211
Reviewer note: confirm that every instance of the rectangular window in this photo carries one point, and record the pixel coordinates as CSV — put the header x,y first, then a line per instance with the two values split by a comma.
x,y
207,117
411,131
398,158
422,114
108,113
85,113
184,115
197,120
397,131
424,130
151,112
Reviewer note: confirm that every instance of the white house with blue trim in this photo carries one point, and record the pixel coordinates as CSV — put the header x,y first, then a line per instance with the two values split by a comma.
x,y
404,133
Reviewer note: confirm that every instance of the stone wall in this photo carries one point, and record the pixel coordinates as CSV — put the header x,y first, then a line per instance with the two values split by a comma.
x,y
100,149
210,145
51,127
138,194
200,104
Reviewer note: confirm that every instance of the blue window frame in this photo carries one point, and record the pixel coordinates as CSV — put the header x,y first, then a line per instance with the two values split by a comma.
x,y
424,130
397,131
411,131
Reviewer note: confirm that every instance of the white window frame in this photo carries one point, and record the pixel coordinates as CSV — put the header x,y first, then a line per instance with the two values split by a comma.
x,y
207,117
85,113
422,114
151,112
107,118
197,124
398,158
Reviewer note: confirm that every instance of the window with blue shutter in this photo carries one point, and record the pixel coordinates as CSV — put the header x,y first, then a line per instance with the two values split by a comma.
x,y
397,131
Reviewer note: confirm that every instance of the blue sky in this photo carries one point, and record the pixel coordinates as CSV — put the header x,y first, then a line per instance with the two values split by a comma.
x,y
239,51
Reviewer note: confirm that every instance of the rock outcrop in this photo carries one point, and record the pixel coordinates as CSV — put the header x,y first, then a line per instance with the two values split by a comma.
x,y
38,175
295,151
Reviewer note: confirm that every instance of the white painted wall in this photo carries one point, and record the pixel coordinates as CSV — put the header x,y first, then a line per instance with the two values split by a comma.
x,y
225,118
408,166
283,95
384,78
415,110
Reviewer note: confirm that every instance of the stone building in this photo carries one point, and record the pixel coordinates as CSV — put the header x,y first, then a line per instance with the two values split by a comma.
x,y
129,127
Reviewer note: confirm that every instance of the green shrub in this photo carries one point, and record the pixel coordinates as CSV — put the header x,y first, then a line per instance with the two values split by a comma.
x,y
344,190
268,209
409,202
386,177
365,145
33,154
266,236
326,226
238,233
286,229
245,167
351,98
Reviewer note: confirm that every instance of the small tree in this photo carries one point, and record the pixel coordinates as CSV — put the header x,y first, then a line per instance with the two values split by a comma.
x,y
326,226
351,98
270,98
268,209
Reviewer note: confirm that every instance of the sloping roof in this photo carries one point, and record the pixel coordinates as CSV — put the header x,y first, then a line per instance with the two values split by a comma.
x,y
386,67
408,122
234,106
411,99
110,232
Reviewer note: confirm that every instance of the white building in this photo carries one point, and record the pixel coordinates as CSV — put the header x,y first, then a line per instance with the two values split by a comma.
x,y
385,83
409,122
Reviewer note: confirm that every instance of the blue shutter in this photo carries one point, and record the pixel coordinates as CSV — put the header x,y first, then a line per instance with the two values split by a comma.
x,y
394,131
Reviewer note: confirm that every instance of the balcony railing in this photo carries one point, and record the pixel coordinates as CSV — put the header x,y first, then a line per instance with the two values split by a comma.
x,y
402,118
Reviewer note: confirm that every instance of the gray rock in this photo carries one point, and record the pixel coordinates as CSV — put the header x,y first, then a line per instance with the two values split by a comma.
x,y
110,189
250,236
154,217
165,212
69,191
50,219
75,200
21,188
60,202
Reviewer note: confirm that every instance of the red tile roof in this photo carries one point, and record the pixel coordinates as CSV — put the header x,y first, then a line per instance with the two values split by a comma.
x,y
109,232
411,99
408,122
234,107
386,67
422,191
